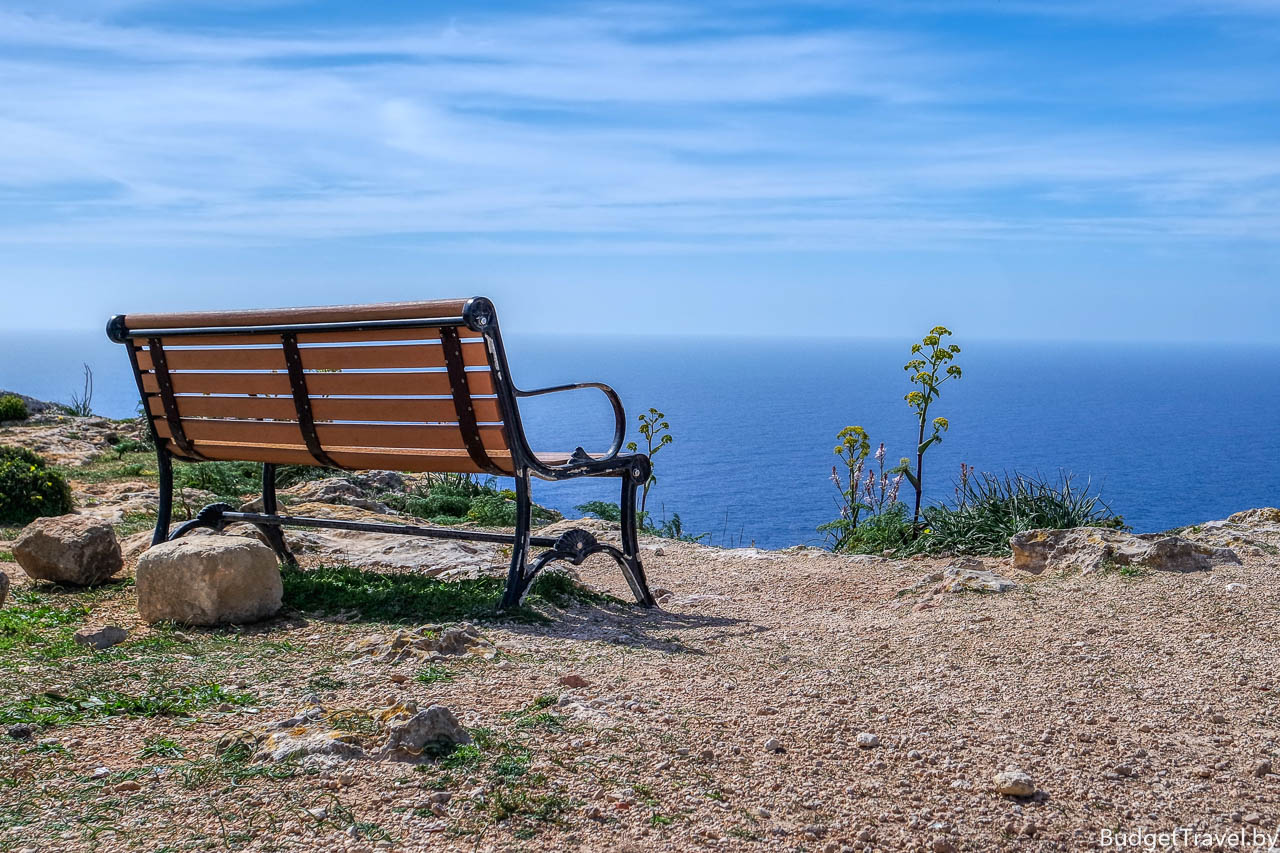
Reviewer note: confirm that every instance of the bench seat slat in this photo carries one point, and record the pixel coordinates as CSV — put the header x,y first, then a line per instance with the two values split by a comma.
x,y
426,436
365,458
438,411
320,384
316,358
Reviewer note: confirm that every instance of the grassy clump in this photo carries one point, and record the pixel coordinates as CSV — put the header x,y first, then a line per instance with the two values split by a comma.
x,y
29,489
51,709
234,480
13,408
392,597
458,498
992,508
36,630
515,796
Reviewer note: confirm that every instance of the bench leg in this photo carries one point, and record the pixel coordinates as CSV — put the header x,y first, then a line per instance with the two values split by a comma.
x,y
273,532
630,557
573,547
518,581
164,512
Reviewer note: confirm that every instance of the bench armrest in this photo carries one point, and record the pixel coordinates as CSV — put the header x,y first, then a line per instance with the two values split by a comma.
x,y
619,416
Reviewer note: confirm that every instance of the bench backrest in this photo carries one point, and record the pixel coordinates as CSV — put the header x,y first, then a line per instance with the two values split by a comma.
x,y
411,386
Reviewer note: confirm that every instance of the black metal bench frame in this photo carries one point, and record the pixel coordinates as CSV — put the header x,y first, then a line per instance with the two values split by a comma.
x,y
478,315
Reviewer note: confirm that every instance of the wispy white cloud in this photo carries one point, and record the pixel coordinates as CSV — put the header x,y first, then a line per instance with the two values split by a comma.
x,y
626,127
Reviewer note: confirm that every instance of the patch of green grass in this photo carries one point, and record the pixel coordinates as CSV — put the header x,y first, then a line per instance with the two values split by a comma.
x,y
34,629
434,674
232,765
123,466
134,522
161,747
325,681
51,709
544,720
6,556
391,597
658,819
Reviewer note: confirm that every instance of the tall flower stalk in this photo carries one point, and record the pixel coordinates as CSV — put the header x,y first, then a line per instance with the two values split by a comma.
x,y
930,369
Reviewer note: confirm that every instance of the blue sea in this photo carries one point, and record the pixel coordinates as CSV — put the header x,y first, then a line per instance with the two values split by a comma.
x,y
1171,435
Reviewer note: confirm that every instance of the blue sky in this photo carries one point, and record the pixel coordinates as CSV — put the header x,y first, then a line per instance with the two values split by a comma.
x,y
1017,169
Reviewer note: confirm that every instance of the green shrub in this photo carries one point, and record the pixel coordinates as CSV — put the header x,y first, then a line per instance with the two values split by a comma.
x,y
991,508
602,510
28,488
888,530
492,511
224,479
13,408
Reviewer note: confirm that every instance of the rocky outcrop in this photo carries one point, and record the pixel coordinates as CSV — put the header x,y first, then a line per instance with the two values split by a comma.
x,y
319,735
209,580
34,406
965,575
430,642
1091,549
71,441
415,734
4,588
69,549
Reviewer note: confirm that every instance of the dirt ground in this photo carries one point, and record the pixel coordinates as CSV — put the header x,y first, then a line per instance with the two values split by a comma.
x,y
788,700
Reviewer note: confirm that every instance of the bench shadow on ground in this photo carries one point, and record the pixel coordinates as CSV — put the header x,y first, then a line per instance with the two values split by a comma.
x,y
557,606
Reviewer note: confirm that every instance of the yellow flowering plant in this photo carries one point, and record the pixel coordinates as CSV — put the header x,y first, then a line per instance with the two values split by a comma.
x,y
929,368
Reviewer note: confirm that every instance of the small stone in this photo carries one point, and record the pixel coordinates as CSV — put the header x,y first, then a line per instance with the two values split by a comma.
x,y
1217,719
129,785
708,755
761,811
942,845
573,681
100,772
397,678
21,731
100,638
1252,818
866,740
593,812
1202,771
1014,783
772,745
1261,768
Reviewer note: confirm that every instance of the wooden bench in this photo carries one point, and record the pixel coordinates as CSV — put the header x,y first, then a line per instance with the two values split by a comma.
x,y
407,386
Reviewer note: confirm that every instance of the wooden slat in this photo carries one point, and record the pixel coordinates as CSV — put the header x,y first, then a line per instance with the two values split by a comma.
x,y
364,459
425,333
320,384
327,409
280,316
316,358
330,435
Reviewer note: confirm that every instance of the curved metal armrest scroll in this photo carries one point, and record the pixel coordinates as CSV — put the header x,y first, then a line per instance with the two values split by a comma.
x,y
619,416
